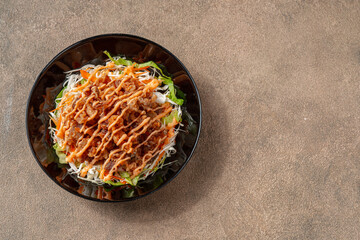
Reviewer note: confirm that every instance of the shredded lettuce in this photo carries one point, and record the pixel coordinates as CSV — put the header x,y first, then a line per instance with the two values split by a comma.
x,y
172,95
60,153
168,119
166,80
119,61
124,174
154,65
114,183
126,177
135,180
128,180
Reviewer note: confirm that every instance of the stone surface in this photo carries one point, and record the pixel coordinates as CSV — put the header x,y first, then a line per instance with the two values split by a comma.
x,y
279,153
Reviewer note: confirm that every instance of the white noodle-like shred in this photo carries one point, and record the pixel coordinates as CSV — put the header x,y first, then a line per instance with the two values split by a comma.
x,y
71,82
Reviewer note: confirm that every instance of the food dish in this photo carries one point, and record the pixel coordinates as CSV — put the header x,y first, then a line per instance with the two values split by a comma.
x,y
49,84
116,123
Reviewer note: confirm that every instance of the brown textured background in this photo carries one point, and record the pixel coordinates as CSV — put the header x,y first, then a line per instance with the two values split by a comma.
x,y
279,155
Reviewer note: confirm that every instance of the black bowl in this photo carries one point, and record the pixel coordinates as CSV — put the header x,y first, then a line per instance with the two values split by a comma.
x,y
90,50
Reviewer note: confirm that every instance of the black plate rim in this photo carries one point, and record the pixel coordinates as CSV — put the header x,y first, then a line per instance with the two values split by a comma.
x,y
82,42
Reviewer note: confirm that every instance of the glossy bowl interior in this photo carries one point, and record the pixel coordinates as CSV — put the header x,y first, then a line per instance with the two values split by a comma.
x,y
49,83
